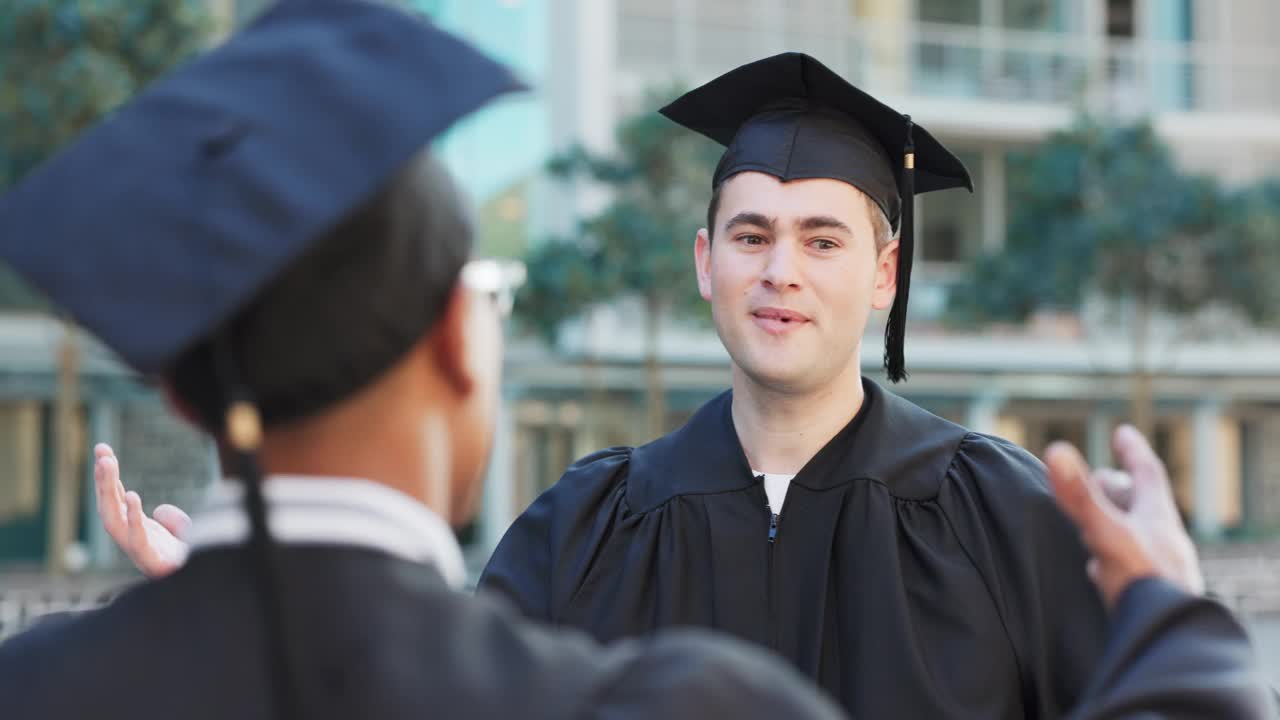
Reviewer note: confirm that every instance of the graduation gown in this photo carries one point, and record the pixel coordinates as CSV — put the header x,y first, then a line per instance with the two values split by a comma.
x,y
188,647
373,627
915,570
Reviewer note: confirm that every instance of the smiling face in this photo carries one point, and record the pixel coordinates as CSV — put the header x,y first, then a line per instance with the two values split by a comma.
x,y
792,272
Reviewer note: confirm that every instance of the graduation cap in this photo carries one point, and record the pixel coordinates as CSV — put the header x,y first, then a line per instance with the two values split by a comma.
x,y
792,117
161,223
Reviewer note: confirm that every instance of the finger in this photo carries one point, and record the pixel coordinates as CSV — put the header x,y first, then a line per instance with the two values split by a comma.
x,y
1117,485
1151,487
1082,499
1137,457
137,528
103,450
1068,476
107,491
172,518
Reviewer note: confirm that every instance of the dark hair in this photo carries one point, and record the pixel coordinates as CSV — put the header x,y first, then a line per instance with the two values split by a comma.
x,y
712,208
344,312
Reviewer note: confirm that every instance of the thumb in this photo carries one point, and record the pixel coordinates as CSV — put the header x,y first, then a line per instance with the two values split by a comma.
x,y
172,518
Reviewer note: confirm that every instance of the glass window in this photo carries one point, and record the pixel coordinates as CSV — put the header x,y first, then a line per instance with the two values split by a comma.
x,y
1121,19
1045,15
959,12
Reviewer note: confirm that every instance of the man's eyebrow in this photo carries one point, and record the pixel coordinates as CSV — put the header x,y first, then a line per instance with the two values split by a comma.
x,y
822,222
749,218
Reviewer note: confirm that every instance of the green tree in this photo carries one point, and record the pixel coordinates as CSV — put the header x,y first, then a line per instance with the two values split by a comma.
x,y
1103,209
66,63
63,65
638,246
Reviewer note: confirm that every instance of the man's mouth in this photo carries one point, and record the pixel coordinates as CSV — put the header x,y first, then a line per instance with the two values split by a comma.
x,y
778,320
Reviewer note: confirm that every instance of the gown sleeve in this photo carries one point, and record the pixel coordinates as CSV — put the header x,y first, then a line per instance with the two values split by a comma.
x,y
691,675
1173,655
997,500
543,557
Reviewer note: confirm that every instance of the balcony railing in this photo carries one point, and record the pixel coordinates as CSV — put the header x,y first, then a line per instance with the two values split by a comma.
x,y
1131,76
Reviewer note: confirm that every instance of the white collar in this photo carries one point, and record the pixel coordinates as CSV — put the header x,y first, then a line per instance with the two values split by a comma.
x,y
309,510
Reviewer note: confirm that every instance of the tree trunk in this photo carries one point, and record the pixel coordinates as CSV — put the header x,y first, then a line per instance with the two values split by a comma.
x,y
67,442
655,393
1142,397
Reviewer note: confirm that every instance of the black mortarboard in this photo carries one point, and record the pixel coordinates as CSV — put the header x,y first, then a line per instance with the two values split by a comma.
x,y
155,227
792,117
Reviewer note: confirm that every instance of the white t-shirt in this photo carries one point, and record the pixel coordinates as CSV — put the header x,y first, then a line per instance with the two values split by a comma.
x,y
775,486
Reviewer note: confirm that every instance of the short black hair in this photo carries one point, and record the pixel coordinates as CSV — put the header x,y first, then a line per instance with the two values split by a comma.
x,y
344,312
712,208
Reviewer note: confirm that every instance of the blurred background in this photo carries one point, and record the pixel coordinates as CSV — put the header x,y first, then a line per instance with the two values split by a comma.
x,y
1119,260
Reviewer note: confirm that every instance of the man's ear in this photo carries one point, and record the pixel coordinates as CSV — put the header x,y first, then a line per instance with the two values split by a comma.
x,y
886,277
702,262
448,343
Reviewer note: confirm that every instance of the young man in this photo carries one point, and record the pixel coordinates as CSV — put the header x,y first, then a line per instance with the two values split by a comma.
x,y
263,231
909,566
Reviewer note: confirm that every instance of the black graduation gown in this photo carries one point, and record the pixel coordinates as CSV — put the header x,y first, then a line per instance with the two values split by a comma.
x,y
370,636
917,569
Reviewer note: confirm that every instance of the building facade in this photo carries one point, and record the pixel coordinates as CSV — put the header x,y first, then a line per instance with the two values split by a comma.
x,y
990,78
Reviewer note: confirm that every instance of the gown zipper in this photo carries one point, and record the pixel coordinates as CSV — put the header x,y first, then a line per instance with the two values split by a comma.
x,y
770,576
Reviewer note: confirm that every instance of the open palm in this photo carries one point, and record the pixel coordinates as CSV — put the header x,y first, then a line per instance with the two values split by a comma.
x,y
151,543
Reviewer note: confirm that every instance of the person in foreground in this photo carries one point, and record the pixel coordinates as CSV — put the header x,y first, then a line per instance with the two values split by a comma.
x,y
275,245
377,421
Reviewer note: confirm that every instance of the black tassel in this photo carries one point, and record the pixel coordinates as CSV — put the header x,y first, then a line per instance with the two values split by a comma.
x,y
895,329
243,432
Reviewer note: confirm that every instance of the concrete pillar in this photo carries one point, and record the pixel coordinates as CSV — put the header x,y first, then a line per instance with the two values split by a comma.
x,y
1098,438
580,90
682,11
886,33
772,19
1206,423
1094,32
498,509
992,194
596,59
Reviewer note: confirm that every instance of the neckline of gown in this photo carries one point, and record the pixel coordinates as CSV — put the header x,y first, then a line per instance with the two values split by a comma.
x,y
889,440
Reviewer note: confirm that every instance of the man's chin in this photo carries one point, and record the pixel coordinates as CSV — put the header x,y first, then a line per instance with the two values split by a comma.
x,y
778,376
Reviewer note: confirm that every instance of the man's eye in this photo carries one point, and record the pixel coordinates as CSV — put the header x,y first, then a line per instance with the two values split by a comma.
x,y
751,239
824,244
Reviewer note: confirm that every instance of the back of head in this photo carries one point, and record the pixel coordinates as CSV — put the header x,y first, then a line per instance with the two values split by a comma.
x,y
347,310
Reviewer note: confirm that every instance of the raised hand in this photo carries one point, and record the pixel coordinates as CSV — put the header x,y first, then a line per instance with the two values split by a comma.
x,y
151,543
1144,539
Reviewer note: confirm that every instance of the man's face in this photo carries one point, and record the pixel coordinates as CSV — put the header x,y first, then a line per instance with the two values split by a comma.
x,y
792,274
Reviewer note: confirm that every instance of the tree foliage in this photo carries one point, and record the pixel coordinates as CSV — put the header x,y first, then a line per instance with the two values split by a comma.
x,y
66,63
641,243
1106,209
639,246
